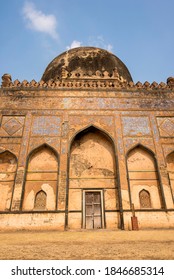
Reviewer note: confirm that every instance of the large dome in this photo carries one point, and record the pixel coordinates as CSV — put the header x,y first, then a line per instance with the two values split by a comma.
x,y
86,62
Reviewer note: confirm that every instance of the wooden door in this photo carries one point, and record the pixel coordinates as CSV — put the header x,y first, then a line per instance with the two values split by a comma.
x,y
93,213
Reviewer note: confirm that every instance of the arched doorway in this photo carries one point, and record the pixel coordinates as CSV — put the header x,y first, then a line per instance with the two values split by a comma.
x,y
93,198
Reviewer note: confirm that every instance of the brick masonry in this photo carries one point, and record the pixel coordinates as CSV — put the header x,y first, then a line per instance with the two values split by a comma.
x,y
104,135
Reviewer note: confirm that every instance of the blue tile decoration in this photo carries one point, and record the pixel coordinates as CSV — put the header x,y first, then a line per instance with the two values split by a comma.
x,y
135,126
46,125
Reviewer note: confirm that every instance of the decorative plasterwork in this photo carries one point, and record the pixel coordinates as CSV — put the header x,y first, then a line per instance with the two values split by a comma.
x,y
12,126
135,126
104,81
166,126
46,125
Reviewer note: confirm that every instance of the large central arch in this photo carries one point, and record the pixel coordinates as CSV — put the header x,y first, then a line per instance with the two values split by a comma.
x,y
93,194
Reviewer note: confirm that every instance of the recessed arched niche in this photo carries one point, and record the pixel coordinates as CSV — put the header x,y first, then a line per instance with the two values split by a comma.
x,y
8,166
41,180
40,202
92,178
143,178
170,169
145,200
92,155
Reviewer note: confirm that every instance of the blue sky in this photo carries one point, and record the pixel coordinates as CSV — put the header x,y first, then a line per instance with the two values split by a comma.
x,y
139,32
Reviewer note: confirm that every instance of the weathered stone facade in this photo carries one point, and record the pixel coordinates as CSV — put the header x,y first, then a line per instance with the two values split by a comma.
x,y
84,145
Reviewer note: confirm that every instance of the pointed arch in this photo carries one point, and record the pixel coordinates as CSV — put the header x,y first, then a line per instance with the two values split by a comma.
x,y
40,147
8,167
10,153
93,135
93,166
145,199
139,145
170,170
41,173
150,162
40,200
143,173
88,128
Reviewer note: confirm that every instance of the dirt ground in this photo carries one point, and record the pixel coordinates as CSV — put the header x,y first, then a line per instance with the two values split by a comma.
x,y
87,245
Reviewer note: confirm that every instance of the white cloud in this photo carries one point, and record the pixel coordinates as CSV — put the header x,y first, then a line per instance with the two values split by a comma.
x,y
38,21
74,44
109,47
93,42
99,42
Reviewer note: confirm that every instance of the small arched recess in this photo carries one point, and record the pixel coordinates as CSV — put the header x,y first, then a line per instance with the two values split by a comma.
x,y
8,166
143,177
145,199
92,195
40,200
41,178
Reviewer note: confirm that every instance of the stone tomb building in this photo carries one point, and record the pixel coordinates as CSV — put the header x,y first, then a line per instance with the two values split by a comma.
x,y
85,145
